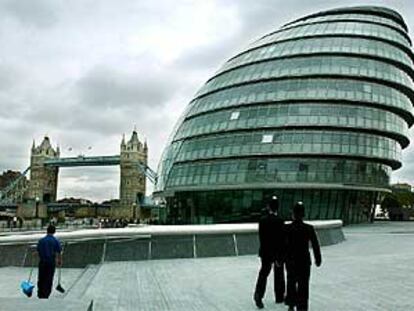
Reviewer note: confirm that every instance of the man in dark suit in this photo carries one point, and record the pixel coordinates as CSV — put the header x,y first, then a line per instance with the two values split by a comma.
x,y
271,252
298,260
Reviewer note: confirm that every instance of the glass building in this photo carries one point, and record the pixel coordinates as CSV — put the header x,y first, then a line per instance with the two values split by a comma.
x,y
317,111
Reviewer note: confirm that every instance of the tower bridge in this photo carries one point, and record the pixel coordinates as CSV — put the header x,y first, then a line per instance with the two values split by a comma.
x,y
45,162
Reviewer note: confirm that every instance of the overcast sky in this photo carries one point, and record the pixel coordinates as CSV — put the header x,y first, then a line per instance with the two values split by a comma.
x,y
86,71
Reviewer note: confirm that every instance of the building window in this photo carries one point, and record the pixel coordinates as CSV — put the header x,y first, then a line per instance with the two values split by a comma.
x,y
367,88
267,138
234,115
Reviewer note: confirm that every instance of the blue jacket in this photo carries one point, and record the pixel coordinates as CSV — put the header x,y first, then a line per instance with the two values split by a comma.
x,y
47,248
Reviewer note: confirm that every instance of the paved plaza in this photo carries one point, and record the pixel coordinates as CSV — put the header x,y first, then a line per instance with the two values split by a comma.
x,y
372,270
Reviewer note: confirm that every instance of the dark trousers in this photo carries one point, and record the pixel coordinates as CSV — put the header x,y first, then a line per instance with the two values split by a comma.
x,y
298,286
279,280
45,279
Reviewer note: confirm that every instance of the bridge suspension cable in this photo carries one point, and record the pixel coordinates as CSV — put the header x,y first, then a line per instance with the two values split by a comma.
x,y
148,172
7,193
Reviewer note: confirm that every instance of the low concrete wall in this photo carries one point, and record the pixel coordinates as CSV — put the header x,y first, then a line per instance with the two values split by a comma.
x,y
86,247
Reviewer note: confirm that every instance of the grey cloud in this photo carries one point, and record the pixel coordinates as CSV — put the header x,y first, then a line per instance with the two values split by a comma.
x,y
103,102
14,154
39,13
256,19
101,172
9,76
406,172
10,107
106,87
10,79
90,183
83,85
404,175
205,60
260,17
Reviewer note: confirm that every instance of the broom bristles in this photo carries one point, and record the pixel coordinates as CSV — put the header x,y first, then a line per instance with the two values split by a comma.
x,y
60,289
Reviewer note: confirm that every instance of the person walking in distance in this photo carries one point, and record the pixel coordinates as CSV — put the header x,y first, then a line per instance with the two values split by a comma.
x,y
271,252
298,260
49,252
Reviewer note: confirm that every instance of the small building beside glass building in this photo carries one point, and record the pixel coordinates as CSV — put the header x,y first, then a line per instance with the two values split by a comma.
x,y
317,111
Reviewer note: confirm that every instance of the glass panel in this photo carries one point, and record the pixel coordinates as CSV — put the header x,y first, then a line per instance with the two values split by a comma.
x,y
267,138
235,115
282,170
356,46
310,65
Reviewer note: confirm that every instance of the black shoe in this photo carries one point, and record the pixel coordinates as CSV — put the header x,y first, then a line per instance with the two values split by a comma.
x,y
259,304
258,301
291,308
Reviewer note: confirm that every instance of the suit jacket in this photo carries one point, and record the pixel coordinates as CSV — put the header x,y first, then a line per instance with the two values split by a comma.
x,y
298,236
272,237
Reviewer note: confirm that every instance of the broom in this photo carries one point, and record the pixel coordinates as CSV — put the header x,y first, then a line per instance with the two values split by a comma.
x,y
27,286
59,287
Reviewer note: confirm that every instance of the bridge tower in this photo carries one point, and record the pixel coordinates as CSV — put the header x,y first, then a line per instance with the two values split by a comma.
x,y
133,184
43,180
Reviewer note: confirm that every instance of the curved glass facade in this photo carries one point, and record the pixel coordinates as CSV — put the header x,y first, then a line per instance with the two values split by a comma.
x,y
258,171
293,115
287,142
317,89
317,111
304,66
364,48
350,28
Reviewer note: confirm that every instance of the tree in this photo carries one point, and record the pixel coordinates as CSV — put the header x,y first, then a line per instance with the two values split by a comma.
x,y
399,205
389,203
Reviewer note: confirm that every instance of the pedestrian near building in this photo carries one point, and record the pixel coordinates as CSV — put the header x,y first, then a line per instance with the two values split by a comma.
x,y
271,252
298,259
49,252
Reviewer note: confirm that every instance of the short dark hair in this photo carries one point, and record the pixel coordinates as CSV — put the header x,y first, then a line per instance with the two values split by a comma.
x,y
51,229
299,210
274,204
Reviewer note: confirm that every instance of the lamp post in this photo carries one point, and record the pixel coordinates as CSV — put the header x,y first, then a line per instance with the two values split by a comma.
x,y
37,207
134,210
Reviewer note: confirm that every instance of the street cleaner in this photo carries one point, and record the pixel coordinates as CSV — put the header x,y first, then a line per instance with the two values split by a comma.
x,y
49,250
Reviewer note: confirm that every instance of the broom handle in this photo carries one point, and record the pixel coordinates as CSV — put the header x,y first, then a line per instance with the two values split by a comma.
x,y
31,264
30,274
60,268
25,256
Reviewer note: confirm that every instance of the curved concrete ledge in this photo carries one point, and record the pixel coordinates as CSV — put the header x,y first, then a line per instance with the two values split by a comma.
x,y
94,246
143,230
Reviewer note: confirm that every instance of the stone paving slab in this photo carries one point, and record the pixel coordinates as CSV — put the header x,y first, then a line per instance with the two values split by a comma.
x,y
11,277
22,304
373,270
